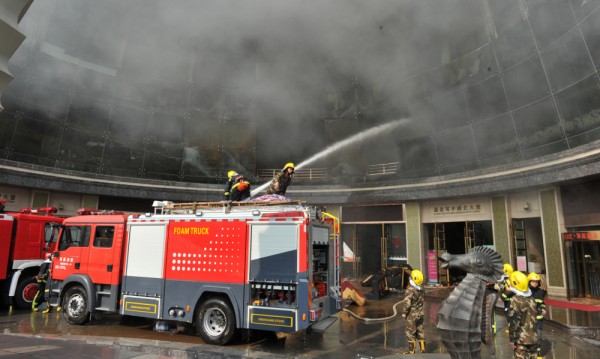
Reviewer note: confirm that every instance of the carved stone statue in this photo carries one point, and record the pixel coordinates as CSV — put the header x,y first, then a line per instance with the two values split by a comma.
x,y
464,319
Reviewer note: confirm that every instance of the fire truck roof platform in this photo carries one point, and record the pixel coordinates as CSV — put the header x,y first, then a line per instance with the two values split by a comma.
x,y
226,207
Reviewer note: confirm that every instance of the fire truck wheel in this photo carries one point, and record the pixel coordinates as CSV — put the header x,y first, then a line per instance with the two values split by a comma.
x,y
75,306
25,292
216,322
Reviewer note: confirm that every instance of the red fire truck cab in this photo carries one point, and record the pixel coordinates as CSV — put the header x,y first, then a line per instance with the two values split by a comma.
x,y
268,267
25,242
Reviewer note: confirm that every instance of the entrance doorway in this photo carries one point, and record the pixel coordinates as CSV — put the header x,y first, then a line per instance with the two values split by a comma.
x,y
375,247
583,260
454,238
528,245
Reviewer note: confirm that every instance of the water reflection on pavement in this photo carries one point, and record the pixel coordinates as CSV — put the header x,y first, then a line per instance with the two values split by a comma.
x,y
127,337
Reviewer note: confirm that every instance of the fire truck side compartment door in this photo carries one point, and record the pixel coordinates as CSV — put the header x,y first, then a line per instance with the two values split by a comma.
x,y
274,252
6,225
143,282
31,239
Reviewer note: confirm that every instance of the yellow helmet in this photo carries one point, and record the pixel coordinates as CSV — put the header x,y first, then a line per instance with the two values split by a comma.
x,y
519,281
289,165
508,269
533,276
416,276
231,173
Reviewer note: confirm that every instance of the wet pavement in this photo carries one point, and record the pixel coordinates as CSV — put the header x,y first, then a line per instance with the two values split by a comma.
x,y
37,335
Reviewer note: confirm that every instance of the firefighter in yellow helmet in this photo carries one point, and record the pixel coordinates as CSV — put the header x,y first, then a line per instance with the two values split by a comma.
x,y
413,302
507,269
522,314
231,176
240,191
505,292
538,294
282,180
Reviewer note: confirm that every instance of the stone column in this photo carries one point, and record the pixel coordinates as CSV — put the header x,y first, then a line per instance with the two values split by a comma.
x,y
11,12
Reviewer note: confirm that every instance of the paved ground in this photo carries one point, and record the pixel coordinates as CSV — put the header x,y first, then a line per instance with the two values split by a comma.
x,y
35,335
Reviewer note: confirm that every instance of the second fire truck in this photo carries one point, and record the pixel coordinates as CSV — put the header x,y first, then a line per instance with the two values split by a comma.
x,y
25,243
269,266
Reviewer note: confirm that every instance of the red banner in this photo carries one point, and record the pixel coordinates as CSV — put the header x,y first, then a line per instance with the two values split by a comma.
x,y
432,266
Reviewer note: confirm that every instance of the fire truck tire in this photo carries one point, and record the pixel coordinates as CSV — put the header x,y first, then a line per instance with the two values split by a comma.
x,y
25,292
75,306
215,322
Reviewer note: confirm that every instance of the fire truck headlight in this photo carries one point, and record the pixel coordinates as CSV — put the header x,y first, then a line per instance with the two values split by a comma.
x,y
181,313
172,312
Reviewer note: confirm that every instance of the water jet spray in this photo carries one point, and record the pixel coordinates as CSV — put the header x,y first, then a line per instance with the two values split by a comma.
x,y
354,139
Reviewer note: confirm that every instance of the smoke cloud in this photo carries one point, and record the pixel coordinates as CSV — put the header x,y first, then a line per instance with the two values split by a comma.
x,y
306,73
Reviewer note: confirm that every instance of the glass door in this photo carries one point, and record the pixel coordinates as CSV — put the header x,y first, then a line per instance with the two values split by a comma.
x,y
395,244
439,243
365,241
384,248
469,236
375,247
583,260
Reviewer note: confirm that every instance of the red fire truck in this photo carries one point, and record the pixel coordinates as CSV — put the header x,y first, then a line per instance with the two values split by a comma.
x,y
25,243
265,266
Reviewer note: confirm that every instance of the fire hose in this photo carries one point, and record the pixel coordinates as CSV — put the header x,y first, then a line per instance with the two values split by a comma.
x,y
369,320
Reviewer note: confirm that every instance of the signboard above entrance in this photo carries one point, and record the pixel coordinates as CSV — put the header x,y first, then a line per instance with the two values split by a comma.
x,y
581,236
456,209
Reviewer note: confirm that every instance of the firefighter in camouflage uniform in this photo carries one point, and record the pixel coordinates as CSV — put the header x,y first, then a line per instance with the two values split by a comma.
x,y
538,294
413,302
522,314
282,180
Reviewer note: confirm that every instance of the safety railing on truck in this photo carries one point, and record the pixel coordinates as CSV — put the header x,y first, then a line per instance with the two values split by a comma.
x,y
163,207
335,237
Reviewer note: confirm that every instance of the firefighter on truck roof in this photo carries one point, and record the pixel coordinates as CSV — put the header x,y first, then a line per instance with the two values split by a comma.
x,y
282,180
231,175
240,190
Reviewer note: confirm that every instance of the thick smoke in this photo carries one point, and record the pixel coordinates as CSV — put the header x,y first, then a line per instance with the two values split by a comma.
x,y
294,66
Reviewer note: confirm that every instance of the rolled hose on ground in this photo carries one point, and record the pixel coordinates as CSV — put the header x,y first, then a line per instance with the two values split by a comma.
x,y
375,319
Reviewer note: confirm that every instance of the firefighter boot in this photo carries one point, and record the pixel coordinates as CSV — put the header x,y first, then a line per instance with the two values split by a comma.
x,y
422,345
411,347
34,304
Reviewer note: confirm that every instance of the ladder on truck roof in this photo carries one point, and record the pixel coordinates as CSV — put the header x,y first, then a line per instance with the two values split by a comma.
x,y
164,207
